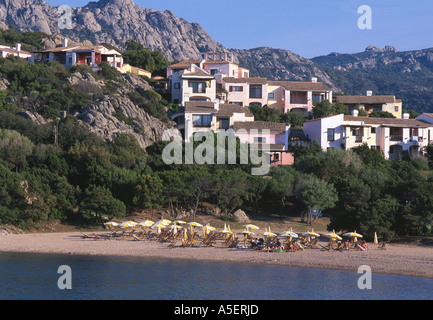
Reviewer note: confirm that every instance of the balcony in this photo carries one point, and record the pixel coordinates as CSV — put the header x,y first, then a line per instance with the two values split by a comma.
x,y
397,138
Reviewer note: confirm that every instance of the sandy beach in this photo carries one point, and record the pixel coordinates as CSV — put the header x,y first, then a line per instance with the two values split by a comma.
x,y
411,260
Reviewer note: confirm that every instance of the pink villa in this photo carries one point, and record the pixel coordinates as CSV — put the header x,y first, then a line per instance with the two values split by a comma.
x,y
77,55
16,51
285,96
274,134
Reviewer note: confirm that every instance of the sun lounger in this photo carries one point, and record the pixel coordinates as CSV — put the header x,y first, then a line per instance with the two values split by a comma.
x,y
86,236
382,246
325,248
340,247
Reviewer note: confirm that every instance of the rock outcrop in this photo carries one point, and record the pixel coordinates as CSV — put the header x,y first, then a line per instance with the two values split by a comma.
x,y
113,22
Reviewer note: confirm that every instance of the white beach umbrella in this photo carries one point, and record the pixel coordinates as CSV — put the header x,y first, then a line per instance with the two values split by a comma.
x,y
146,223
128,224
111,224
194,224
288,234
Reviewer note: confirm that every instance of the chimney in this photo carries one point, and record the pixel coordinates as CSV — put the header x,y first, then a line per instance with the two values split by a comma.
x,y
369,93
406,116
313,79
286,137
355,112
216,104
64,42
18,46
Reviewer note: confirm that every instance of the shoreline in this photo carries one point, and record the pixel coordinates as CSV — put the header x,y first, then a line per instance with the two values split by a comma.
x,y
400,259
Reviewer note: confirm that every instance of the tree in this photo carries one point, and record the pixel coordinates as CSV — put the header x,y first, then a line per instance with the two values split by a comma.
x,y
282,184
98,202
315,193
149,192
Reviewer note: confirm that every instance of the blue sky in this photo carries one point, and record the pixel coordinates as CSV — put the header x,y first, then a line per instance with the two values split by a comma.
x,y
307,27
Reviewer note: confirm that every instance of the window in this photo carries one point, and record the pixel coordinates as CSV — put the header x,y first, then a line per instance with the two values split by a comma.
x,y
396,108
197,87
391,149
70,60
355,132
236,88
224,123
271,95
317,98
276,157
213,71
331,134
177,85
239,103
256,92
259,140
373,130
202,120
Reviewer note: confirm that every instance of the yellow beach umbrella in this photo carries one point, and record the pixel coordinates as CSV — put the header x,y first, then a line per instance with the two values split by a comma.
x,y
311,234
251,226
111,224
175,228
288,234
375,238
179,222
195,224
333,235
267,233
165,222
128,224
159,226
353,235
146,223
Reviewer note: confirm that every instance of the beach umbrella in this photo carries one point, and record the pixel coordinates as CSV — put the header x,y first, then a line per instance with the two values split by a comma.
x,y
251,226
267,233
311,234
165,222
333,235
128,224
159,226
375,238
288,234
175,228
353,234
179,222
194,224
146,223
206,229
247,232
111,224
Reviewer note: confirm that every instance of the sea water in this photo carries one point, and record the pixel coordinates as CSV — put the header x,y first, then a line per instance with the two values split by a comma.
x,y
36,277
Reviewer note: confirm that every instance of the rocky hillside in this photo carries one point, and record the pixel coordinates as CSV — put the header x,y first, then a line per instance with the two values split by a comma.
x,y
408,74
116,113
113,22
280,64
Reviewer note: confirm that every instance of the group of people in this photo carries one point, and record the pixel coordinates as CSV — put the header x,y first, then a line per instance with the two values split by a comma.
x,y
359,245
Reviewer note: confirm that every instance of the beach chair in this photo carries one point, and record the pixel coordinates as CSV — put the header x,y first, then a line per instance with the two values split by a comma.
x,y
381,246
137,238
86,236
311,244
340,247
325,248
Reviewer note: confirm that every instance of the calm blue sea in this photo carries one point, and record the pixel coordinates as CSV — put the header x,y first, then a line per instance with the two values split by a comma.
x,y
34,276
